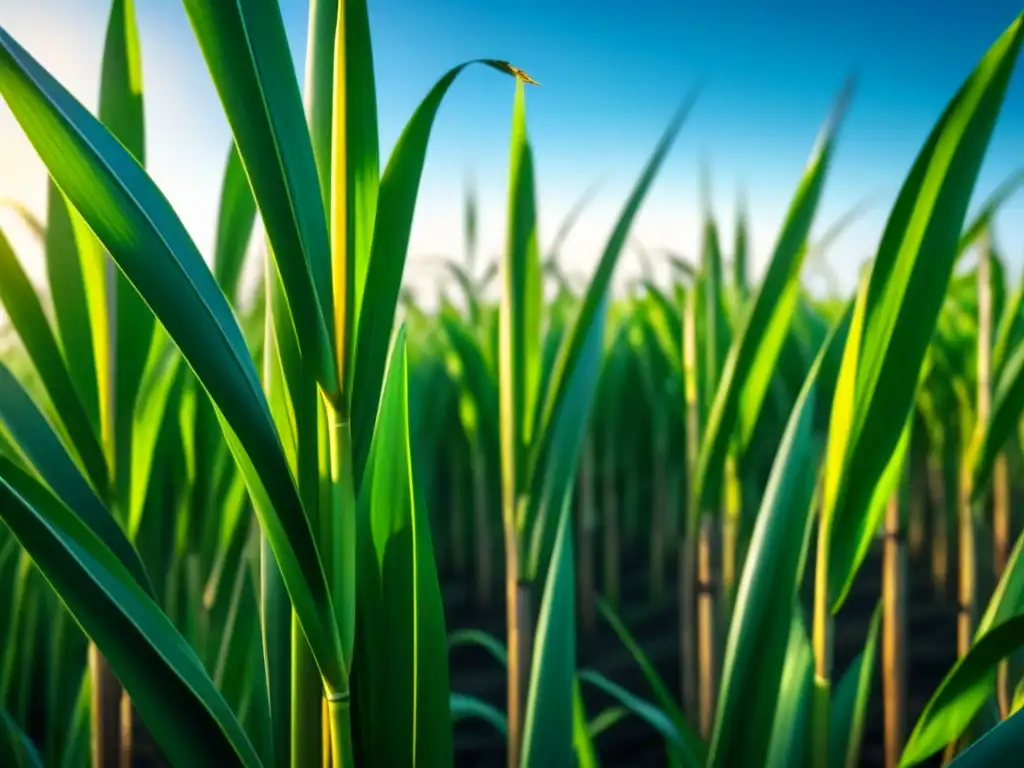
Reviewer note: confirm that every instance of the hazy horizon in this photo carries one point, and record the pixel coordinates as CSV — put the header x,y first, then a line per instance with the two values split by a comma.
x,y
611,77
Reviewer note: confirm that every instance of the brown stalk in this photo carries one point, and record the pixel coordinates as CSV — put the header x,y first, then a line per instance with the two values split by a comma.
x,y
520,640
894,628
707,620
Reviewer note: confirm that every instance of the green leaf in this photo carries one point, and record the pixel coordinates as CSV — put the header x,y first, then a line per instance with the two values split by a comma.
x,y
755,351
850,702
396,204
962,692
789,735
759,634
121,110
26,315
247,54
907,288
519,353
577,335
999,746
44,451
582,735
234,226
16,749
168,686
983,218
464,707
665,700
687,752
133,219
65,275
548,729
401,683
993,435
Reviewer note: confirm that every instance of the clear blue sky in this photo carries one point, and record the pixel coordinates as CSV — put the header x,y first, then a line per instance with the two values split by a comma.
x,y
612,74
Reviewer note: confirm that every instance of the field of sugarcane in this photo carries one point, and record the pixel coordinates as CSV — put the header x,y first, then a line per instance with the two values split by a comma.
x,y
707,521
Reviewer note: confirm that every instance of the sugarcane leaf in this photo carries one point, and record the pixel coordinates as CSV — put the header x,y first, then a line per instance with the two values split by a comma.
x,y
908,283
519,355
16,749
464,707
758,642
664,698
235,221
999,746
121,110
755,350
65,276
682,745
44,451
849,705
988,209
578,333
992,435
396,202
401,683
133,219
788,743
25,312
963,692
548,729
166,681
246,51
582,734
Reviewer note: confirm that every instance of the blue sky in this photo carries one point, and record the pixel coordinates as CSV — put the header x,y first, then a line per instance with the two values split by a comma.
x,y
612,75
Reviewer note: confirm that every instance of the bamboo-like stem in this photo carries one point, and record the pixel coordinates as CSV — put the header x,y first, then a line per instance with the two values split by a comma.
x,y
340,715
326,744
519,619
484,558
894,623
968,557
731,562
688,624
1001,536
689,546
707,621
106,697
587,524
339,531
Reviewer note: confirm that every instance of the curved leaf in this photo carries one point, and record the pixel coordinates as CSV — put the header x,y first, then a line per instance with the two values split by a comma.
x,y
963,692
402,686
759,633
165,679
688,753
907,288
27,316
396,202
246,51
46,454
755,351
464,707
135,222
480,638
234,226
